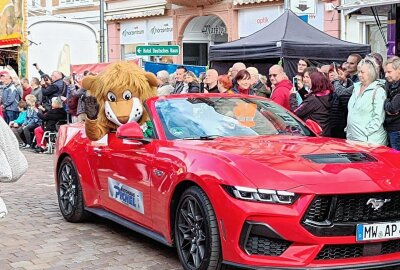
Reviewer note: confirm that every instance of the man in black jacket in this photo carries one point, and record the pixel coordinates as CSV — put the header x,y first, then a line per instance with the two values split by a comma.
x,y
392,103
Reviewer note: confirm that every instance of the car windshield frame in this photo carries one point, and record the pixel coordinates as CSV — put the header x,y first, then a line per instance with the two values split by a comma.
x,y
174,113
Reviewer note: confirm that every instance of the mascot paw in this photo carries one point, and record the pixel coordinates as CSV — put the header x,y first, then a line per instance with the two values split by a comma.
x,y
91,107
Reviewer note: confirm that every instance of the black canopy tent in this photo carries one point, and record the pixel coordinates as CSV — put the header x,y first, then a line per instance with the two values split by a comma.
x,y
287,38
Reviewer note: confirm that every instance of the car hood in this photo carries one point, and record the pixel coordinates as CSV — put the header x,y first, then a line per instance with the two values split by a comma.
x,y
286,162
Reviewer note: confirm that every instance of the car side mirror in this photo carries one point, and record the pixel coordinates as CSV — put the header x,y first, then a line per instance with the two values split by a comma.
x,y
131,131
314,126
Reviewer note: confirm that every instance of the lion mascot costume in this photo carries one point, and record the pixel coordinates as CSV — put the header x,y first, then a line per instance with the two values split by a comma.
x,y
116,97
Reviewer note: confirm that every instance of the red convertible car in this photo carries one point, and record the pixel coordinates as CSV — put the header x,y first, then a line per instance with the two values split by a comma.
x,y
237,182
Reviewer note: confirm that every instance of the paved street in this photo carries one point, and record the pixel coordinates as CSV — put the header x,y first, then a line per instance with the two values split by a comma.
x,y
35,236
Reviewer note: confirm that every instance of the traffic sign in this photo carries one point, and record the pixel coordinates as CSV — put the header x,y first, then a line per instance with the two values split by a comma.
x,y
157,50
301,7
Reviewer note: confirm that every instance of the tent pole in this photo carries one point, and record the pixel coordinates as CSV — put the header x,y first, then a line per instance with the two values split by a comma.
x,y
286,4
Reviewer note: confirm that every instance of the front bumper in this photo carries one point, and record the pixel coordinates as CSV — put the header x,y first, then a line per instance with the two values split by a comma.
x,y
369,266
296,247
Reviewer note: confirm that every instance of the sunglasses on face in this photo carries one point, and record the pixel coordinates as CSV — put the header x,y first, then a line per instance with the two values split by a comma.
x,y
273,75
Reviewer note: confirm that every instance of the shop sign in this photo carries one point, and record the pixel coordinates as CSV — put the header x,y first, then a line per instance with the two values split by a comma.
x,y
252,20
303,6
133,32
160,30
214,30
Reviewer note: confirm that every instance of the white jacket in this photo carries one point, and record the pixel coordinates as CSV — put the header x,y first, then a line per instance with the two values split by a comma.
x,y
13,163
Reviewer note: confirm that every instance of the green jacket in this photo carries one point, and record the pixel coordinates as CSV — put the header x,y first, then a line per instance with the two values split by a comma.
x,y
366,114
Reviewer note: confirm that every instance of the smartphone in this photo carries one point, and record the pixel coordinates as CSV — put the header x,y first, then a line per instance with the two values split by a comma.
x,y
334,66
295,83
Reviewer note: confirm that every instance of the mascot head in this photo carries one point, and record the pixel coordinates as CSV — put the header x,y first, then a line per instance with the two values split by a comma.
x,y
120,91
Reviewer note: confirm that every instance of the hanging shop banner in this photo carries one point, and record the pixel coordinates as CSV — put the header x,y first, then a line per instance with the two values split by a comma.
x,y
77,70
159,30
11,22
252,20
171,68
133,32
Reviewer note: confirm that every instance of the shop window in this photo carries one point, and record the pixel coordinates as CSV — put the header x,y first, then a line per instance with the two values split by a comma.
x,y
195,54
128,51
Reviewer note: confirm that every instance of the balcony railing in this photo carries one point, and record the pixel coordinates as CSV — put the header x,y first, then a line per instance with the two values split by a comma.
x,y
72,3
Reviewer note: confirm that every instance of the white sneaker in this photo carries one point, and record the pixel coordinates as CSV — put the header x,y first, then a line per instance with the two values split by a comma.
x,y
3,208
27,146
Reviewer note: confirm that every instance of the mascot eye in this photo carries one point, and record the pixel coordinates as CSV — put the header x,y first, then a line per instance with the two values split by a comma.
x,y
127,95
111,97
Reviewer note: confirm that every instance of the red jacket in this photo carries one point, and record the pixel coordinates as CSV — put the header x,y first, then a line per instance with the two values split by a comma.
x,y
26,91
281,93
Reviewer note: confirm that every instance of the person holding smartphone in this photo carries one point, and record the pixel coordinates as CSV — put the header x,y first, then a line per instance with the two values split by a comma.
x,y
343,89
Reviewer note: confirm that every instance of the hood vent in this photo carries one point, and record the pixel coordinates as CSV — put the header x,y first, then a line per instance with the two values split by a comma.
x,y
340,158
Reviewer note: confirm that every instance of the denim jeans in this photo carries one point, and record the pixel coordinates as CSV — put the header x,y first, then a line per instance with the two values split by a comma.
x,y
394,139
10,116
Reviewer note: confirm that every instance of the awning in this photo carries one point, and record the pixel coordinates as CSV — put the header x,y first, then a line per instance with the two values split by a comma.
x,y
354,6
10,42
135,13
193,3
245,2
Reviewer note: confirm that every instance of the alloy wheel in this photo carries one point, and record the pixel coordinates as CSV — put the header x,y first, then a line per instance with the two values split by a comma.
x,y
68,189
192,232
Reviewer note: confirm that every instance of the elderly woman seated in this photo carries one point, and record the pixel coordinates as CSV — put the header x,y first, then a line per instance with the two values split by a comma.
x,y
50,119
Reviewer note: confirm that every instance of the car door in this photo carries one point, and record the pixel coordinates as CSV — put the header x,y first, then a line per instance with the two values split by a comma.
x,y
125,179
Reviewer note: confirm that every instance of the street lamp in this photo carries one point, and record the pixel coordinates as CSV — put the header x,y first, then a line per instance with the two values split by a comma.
x,y
102,51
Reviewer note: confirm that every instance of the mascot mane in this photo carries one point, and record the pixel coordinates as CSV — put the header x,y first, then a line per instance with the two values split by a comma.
x,y
117,78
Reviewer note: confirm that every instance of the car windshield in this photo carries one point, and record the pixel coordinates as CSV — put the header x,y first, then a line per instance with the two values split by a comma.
x,y
210,118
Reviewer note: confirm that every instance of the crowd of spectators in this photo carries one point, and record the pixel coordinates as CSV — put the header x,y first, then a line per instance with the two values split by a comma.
x,y
357,100
32,108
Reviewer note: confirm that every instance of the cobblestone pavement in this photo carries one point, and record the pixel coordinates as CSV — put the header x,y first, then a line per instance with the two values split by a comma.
x,y
34,235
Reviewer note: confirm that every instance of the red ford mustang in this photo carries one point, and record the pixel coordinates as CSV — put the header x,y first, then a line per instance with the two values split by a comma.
x,y
237,181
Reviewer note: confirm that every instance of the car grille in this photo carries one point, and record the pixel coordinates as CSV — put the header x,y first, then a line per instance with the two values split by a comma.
x,y
338,215
330,252
266,246
319,209
354,208
260,239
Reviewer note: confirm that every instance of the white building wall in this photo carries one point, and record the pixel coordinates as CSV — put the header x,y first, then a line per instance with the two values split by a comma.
x,y
45,48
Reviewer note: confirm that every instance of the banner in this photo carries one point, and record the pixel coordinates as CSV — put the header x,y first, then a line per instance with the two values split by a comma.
x,y
156,67
11,22
77,70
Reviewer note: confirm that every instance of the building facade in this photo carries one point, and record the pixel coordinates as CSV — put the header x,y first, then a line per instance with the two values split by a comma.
x,y
373,22
196,25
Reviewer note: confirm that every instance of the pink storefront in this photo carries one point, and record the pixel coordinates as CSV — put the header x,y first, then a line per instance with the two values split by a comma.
x,y
194,25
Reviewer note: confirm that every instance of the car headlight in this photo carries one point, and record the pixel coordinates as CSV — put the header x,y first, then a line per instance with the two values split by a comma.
x,y
261,195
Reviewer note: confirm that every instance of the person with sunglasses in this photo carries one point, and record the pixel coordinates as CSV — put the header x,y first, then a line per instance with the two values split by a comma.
x,y
366,113
283,86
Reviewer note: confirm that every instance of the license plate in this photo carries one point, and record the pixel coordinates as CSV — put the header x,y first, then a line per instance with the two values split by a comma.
x,y
378,231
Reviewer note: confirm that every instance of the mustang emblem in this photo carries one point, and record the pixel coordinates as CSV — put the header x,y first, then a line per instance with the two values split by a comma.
x,y
376,203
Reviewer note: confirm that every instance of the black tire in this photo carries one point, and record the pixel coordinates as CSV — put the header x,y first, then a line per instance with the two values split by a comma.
x,y
69,192
196,232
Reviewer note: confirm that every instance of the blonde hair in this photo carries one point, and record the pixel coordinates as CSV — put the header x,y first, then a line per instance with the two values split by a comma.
x,y
373,68
30,100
